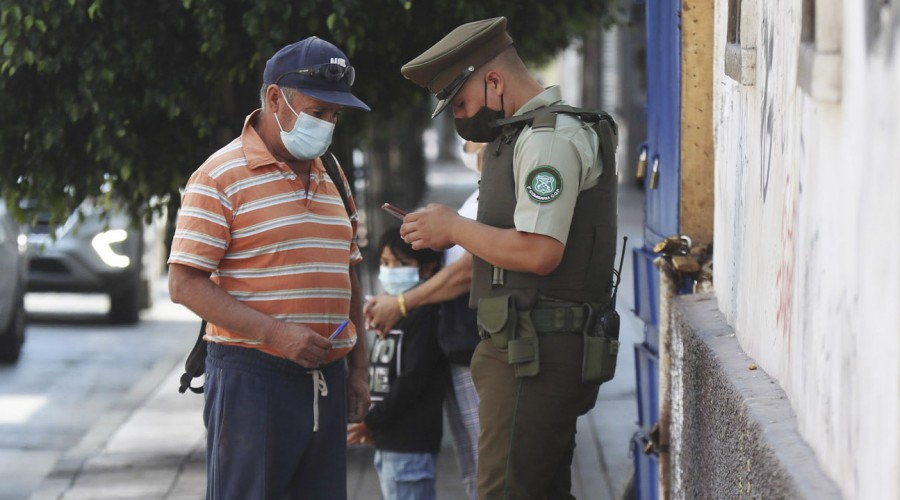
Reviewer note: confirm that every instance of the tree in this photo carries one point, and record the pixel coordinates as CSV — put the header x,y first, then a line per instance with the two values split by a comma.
x,y
103,98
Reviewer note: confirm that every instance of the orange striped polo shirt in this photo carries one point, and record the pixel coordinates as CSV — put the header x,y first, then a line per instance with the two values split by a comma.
x,y
267,241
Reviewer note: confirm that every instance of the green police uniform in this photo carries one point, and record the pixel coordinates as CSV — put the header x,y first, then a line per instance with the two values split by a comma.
x,y
544,175
548,180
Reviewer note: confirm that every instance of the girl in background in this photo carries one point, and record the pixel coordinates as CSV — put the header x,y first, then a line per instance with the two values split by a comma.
x,y
408,377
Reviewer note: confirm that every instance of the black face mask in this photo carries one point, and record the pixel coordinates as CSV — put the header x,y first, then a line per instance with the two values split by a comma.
x,y
476,128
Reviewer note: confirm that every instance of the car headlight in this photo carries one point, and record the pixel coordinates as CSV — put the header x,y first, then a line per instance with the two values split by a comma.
x,y
102,244
22,242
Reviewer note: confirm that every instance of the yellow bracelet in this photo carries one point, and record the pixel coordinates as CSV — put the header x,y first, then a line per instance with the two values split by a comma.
x,y
402,301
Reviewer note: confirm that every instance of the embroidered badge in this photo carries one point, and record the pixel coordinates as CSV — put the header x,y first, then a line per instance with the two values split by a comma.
x,y
544,184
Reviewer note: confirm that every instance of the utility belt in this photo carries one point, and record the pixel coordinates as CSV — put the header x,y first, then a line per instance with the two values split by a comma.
x,y
517,332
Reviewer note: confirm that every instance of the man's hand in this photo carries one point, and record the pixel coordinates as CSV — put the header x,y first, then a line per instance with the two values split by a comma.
x,y
360,434
301,345
357,394
431,227
382,313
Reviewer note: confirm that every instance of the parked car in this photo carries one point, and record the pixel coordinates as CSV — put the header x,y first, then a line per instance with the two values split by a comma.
x,y
95,252
13,275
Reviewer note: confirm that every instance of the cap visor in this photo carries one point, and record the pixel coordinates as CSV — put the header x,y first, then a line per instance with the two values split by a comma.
x,y
442,104
336,97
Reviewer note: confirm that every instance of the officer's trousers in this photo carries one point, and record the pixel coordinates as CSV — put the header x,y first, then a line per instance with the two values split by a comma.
x,y
528,423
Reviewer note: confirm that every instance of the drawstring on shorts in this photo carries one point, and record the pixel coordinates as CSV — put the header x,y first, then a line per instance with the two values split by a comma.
x,y
319,387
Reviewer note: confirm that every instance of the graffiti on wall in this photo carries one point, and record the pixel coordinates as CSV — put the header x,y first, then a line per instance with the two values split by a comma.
x,y
882,25
766,125
784,279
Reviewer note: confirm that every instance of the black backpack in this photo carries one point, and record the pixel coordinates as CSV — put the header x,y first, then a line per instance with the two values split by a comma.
x,y
195,365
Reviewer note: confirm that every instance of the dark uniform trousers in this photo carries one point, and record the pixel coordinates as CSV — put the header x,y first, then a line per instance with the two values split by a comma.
x,y
528,423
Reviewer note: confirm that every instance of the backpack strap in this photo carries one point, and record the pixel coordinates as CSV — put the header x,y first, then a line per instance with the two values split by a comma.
x,y
331,168
195,364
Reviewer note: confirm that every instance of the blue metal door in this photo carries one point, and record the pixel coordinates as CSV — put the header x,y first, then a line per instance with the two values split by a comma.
x,y
663,119
663,147
661,209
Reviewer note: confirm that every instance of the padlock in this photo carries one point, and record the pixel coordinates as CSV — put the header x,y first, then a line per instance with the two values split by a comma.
x,y
674,245
654,174
671,245
685,264
642,165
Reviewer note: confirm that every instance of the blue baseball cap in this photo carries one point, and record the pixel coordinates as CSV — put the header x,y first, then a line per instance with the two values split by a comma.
x,y
318,69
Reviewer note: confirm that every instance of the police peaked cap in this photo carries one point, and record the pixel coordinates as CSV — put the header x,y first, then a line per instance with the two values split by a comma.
x,y
444,68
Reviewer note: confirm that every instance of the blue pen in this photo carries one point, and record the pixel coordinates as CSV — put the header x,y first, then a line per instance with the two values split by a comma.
x,y
339,330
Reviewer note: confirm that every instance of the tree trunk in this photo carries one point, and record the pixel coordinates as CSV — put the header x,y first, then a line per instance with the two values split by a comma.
x,y
393,172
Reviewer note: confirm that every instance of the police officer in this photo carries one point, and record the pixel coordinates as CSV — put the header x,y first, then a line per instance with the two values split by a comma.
x,y
544,248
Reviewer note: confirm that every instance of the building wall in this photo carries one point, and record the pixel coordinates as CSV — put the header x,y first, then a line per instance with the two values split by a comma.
x,y
734,434
807,223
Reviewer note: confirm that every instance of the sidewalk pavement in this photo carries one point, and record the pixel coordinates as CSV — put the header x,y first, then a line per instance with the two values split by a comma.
x,y
158,450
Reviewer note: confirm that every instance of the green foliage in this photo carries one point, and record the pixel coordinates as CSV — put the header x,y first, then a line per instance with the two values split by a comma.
x,y
137,94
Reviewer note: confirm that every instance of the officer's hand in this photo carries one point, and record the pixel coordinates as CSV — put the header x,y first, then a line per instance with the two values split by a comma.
x,y
382,313
301,345
431,227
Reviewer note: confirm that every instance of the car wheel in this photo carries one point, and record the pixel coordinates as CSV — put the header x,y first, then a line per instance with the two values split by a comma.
x,y
125,307
13,336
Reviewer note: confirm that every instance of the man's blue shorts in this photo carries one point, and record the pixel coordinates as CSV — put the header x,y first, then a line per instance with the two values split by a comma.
x,y
259,416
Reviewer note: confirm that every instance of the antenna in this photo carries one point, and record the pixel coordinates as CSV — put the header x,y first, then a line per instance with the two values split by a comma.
x,y
618,273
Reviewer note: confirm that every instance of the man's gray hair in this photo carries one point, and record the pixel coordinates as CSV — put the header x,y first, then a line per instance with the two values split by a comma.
x,y
289,94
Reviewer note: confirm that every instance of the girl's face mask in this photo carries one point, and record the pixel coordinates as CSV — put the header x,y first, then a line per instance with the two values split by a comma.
x,y
396,280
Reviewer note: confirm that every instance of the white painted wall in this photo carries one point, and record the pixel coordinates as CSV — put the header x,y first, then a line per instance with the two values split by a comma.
x,y
807,234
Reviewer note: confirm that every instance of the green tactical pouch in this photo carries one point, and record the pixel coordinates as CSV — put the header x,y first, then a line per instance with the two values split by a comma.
x,y
524,353
497,319
599,363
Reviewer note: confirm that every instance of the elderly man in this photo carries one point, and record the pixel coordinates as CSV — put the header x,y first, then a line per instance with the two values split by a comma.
x,y
265,251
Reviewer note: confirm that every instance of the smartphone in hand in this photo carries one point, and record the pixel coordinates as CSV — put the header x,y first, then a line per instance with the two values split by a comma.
x,y
396,212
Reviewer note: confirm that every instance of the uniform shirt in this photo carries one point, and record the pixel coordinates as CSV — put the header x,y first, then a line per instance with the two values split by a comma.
x,y
270,243
567,158
469,210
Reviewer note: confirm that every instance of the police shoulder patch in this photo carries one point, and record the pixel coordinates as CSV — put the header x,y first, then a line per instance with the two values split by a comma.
x,y
544,184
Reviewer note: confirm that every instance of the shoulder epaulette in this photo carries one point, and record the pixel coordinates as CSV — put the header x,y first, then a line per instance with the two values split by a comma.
x,y
539,117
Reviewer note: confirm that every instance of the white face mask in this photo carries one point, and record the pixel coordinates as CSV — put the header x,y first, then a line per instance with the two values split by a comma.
x,y
396,280
310,136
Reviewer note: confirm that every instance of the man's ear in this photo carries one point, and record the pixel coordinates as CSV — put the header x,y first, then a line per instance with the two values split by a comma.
x,y
495,82
273,96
